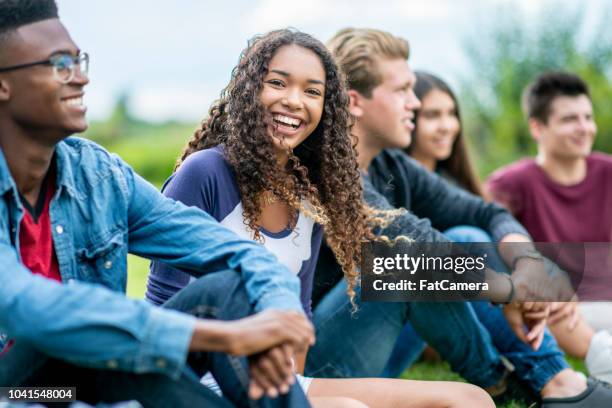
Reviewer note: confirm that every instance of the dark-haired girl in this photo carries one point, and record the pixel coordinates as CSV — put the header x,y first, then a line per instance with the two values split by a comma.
x,y
275,163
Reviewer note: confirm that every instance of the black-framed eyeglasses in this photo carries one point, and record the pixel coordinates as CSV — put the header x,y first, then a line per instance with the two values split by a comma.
x,y
64,66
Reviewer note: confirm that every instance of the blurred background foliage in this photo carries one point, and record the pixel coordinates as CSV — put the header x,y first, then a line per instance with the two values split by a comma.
x,y
507,53
151,148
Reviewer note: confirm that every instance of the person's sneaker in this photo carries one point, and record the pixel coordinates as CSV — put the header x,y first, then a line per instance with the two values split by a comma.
x,y
599,357
511,389
597,395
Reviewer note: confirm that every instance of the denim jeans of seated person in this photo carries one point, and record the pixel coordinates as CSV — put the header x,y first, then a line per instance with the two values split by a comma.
x,y
470,336
26,367
409,344
219,295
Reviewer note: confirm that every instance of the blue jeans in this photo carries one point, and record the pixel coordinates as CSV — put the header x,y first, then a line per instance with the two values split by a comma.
x,y
409,344
26,367
218,295
358,344
470,336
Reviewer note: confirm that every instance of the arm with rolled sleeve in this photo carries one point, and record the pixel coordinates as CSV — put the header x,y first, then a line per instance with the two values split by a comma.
x,y
190,239
87,324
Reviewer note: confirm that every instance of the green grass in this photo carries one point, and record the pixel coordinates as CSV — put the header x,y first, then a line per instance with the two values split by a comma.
x,y
138,269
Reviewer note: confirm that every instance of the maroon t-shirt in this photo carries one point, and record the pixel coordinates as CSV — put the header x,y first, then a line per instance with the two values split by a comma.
x,y
555,213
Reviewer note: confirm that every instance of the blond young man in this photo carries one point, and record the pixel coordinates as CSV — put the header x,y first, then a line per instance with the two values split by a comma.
x,y
383,102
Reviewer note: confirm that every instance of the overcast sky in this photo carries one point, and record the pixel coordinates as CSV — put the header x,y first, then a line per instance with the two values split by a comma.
x,y
175,56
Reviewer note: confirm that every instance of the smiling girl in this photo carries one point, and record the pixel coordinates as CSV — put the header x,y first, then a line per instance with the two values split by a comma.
x,y
438,142
275,163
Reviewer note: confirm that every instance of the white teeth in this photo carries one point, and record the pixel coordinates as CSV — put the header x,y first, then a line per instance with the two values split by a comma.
x,y
287,120
74,101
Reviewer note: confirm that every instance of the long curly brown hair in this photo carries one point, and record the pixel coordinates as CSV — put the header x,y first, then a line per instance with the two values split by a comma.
x,y
322,170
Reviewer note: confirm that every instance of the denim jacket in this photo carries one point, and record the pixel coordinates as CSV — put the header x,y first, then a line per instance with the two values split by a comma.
x,y
102,210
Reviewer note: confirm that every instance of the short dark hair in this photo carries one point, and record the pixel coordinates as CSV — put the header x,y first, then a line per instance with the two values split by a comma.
x,y
17,13
539,94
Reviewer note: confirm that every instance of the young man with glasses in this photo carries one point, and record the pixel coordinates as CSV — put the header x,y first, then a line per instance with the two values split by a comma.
x,y
69,209
64,66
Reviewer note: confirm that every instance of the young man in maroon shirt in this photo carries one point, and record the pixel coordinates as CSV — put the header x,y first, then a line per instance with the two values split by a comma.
x,y
564,195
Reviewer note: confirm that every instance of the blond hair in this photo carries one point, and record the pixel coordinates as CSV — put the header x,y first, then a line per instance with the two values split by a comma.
x,y
357,51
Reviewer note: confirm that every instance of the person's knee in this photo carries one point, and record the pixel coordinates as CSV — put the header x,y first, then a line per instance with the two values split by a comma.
x,y
467,233
213,295
226,281
472,396
226,290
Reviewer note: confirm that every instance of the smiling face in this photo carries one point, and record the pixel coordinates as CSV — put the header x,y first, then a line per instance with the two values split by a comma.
x,y
293,94
34,98
570,130
387,119
438,127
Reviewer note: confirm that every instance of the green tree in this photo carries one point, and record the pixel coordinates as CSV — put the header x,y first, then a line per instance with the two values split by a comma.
x,y
118,125
506,54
